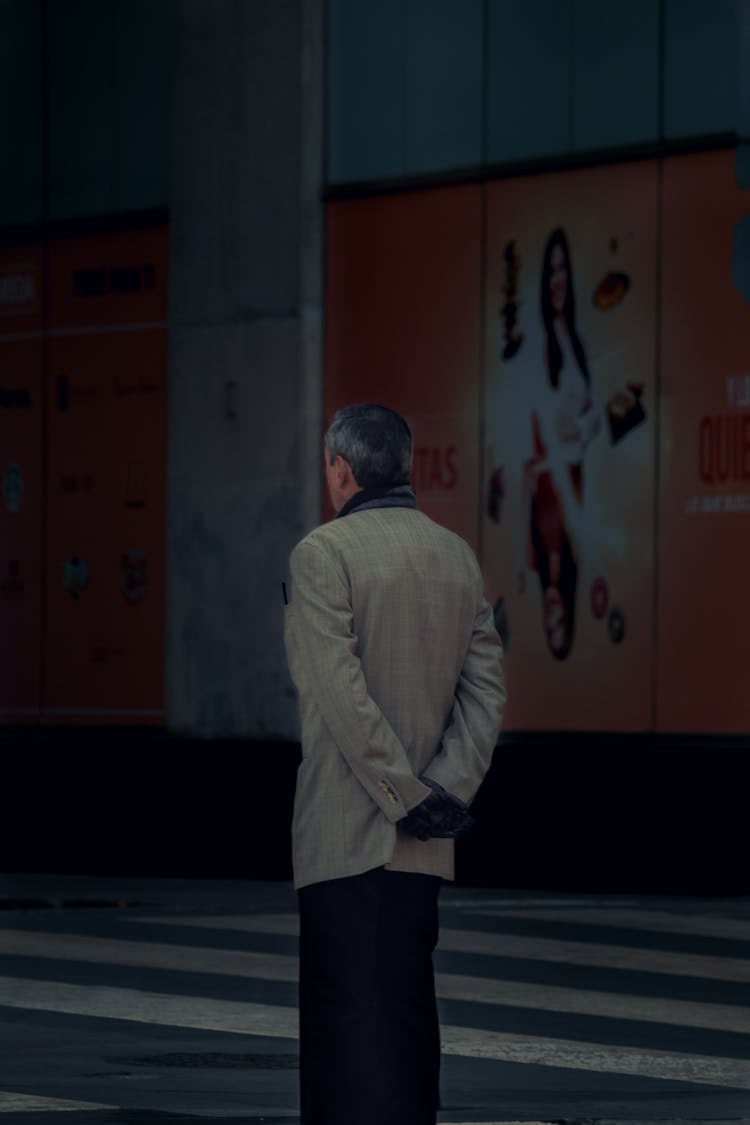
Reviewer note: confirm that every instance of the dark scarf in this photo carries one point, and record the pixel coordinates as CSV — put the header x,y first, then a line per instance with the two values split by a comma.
x,y
380,496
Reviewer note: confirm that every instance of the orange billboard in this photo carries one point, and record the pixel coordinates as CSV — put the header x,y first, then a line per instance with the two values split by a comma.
x,y
704,494
21,509
83,400
106,470
403,315
573,352
569,405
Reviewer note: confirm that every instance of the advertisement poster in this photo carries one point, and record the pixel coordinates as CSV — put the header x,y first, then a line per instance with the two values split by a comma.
x,y
21,514
704,498
569,409
403,328
106,464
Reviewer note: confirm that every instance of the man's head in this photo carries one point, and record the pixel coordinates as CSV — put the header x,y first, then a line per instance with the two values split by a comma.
x,y
366,446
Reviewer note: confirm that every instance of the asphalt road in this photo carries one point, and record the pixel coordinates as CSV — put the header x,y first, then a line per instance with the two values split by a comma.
x,y
150,1001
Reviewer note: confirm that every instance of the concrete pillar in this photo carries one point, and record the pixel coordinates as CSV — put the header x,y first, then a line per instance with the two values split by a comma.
x,y
245,352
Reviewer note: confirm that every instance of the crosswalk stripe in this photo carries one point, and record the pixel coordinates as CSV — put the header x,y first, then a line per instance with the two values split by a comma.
x,y
267,1020
659,921
103,1001
593,954
450,986
576,1055
583,1002
454,901
149,955
34,1103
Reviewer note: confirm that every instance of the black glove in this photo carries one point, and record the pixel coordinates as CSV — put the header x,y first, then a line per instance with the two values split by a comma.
x,y
440,815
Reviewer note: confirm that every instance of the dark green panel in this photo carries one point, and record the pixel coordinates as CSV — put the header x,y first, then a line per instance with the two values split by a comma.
x,y
702,67
81,50
365,111
443,125
615,74
141,104
21,112
528,79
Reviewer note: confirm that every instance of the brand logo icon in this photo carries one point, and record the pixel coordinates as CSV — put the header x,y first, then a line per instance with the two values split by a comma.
x,y
117,280
13,488
15,396
134,575
76,482
69,392
76,576
18,290
616,625
134,489
599,597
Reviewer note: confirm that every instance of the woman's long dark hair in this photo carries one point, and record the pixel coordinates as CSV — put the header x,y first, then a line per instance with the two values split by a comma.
x,y
554,354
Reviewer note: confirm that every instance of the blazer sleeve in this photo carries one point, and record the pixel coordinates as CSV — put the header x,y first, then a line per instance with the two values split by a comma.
x,y
469,739
327,672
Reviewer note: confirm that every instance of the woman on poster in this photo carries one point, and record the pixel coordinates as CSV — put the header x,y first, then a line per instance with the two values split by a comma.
x,y
563,423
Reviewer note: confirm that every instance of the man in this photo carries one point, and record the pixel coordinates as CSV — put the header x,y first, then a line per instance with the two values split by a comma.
x,y
397,664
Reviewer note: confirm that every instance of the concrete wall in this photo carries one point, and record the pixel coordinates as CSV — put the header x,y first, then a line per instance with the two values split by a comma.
x,y
245,352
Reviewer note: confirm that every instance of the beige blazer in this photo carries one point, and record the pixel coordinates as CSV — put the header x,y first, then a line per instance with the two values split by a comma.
x,y
398,667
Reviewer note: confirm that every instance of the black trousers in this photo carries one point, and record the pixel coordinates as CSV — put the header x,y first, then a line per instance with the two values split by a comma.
x,y
369,1035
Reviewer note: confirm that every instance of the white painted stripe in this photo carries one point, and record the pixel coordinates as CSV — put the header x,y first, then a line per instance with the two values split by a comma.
x,y
450,986
594,954
586,953
658,921
35,1103
285,924
451,899
152,955
607,1005
278,1022
149,1007
573,1055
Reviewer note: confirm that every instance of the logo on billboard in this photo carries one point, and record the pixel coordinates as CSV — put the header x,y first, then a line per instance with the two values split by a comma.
x,y
67,392
599,597
115,281
18,290
616,625
141,385
13,487
435,468
76,576
71,483
103,654
134,576
509,312
11,584
134,489
610,290
11,397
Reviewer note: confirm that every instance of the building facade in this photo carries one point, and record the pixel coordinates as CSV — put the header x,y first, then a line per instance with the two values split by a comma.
x,y
183,181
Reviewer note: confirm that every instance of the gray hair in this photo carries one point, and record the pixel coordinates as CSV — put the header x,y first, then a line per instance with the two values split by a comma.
x,y
375,441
